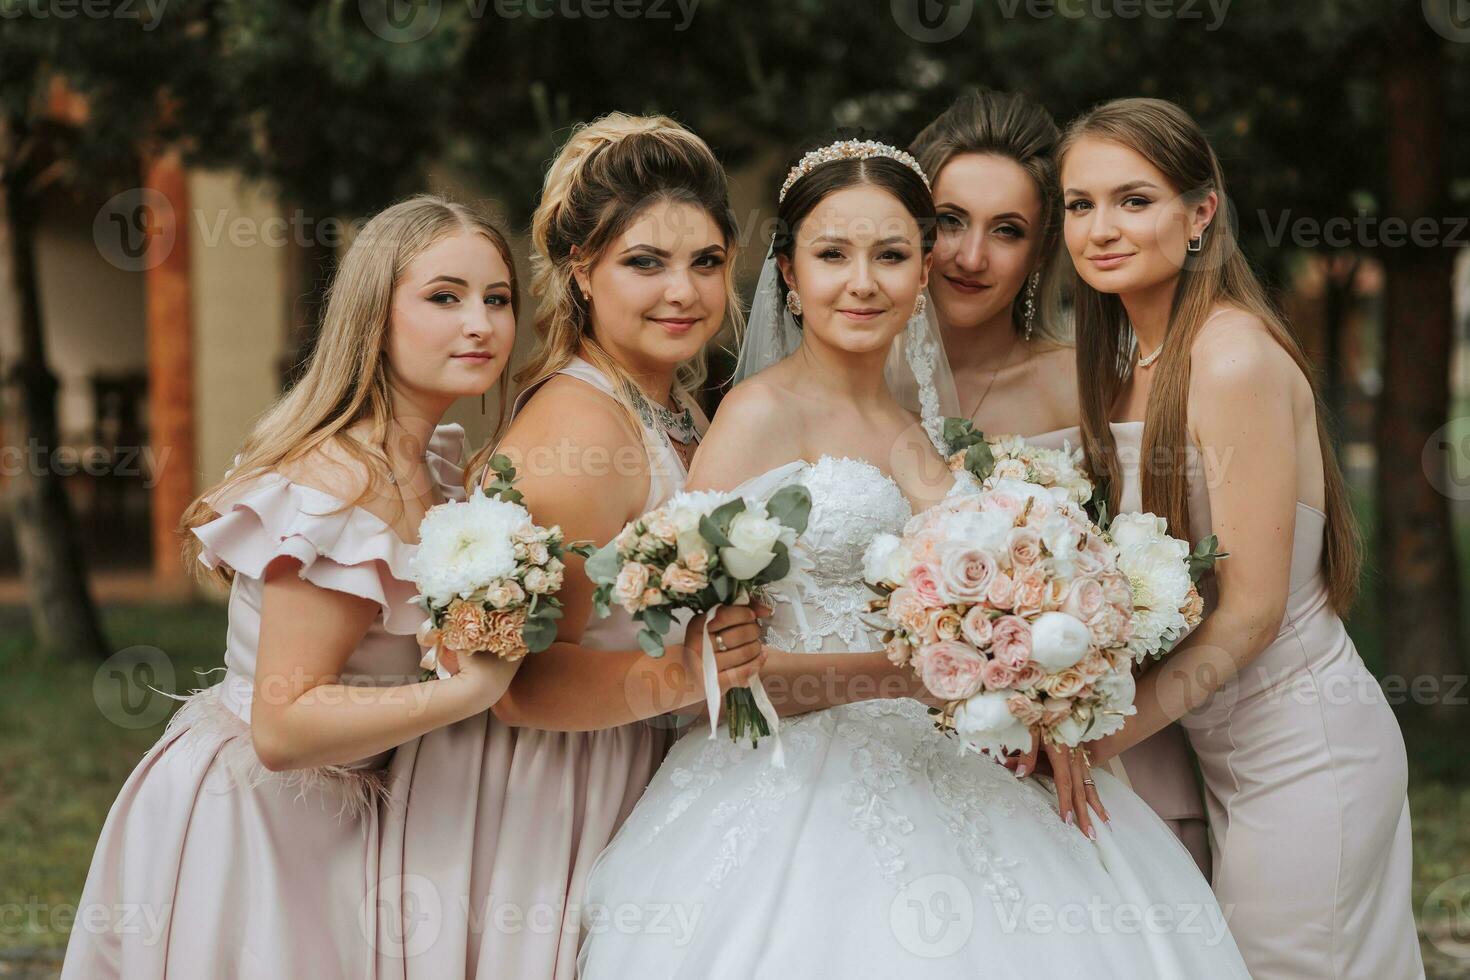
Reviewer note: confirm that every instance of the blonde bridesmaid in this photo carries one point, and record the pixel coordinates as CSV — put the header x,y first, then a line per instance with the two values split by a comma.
x,y
997,263
1185,364
248,834
503,814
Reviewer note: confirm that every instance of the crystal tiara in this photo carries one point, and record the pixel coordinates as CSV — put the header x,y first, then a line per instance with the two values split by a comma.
x,y
849,150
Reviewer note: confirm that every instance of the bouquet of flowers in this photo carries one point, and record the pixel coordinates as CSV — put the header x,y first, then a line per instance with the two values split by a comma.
x,y
1017,611
697,552
994,458
487,575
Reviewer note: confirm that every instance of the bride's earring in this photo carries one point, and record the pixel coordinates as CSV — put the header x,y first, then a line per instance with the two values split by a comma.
x,y
921,304
793,302
1030,309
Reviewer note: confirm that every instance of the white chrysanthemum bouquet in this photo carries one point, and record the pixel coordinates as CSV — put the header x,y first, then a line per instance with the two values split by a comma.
x,y
697,552
487,575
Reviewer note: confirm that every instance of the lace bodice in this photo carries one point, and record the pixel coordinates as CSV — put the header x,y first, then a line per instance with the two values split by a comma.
x,y
852,501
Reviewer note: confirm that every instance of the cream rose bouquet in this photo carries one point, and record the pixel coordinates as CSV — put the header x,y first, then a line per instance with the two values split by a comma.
x,y
487,575
1010,607
1162,574
697,552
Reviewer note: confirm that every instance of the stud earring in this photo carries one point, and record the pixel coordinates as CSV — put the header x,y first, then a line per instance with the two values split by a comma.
x,y
793,302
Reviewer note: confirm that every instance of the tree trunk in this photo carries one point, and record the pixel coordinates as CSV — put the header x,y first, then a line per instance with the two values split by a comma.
x,y
62,613
1340,280
1420,582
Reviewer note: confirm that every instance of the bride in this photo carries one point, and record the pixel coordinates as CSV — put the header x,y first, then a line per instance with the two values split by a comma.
x,y
877,847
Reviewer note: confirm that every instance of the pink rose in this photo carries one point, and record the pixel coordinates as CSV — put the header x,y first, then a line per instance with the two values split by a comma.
x,y
951,670
945,624
976,627
998,501
924,580
1001,591
1085,599
1066,684
1094,665
1029,592
1116,589
1054,710
1010,641
907,610
628,589
997,676
1025,546
1030,675
1024,710
965,574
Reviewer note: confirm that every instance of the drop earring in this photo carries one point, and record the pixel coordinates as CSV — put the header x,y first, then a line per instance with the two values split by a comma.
x,y
921,304
793,302
1030,308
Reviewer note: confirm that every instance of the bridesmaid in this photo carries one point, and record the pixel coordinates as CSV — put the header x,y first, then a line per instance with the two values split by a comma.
x,y
634,239
1183,358
248,833
997,262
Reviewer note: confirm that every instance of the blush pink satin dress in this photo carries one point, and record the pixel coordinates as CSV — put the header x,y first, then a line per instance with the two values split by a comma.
x,y
490,830
211,865
1306,781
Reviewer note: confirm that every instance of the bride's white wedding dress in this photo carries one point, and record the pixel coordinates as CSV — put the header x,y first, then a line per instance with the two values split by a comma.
x,y
879,850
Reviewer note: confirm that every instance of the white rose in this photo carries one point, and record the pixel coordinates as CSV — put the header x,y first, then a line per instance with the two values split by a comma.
x,y
1069,730
1128,530
752,539
985,722
878,559
538,582
1058,641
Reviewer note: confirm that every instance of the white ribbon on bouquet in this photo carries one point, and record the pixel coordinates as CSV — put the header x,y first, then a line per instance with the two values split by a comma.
x,y
713,699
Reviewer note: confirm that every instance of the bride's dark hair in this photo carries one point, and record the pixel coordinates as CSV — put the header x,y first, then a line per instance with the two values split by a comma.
x,y
813,187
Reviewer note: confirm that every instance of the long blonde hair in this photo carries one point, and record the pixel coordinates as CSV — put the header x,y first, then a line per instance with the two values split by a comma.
x,y
1011,126
1218,274
607,173
346,378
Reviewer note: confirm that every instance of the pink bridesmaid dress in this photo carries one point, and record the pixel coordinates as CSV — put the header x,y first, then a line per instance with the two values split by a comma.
x,y
491,830
211,865
1159,768
1306,781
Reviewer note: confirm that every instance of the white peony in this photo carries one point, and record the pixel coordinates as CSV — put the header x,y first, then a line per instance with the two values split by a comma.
x,y
1058,641
985,722
466,545
986,530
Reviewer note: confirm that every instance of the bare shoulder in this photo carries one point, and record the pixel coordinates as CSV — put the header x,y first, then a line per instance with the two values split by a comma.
x,y
334,468
1236,350
756,428
567,411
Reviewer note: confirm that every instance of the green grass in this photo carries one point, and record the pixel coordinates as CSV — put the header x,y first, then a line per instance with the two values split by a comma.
x,y
65,760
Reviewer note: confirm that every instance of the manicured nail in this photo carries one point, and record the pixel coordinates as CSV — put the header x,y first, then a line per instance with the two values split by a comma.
x,y
1069,820
1022,770
1091,834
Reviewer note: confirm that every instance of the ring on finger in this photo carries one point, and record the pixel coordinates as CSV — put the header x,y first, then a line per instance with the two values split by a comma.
x,y
1088,782
720,643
